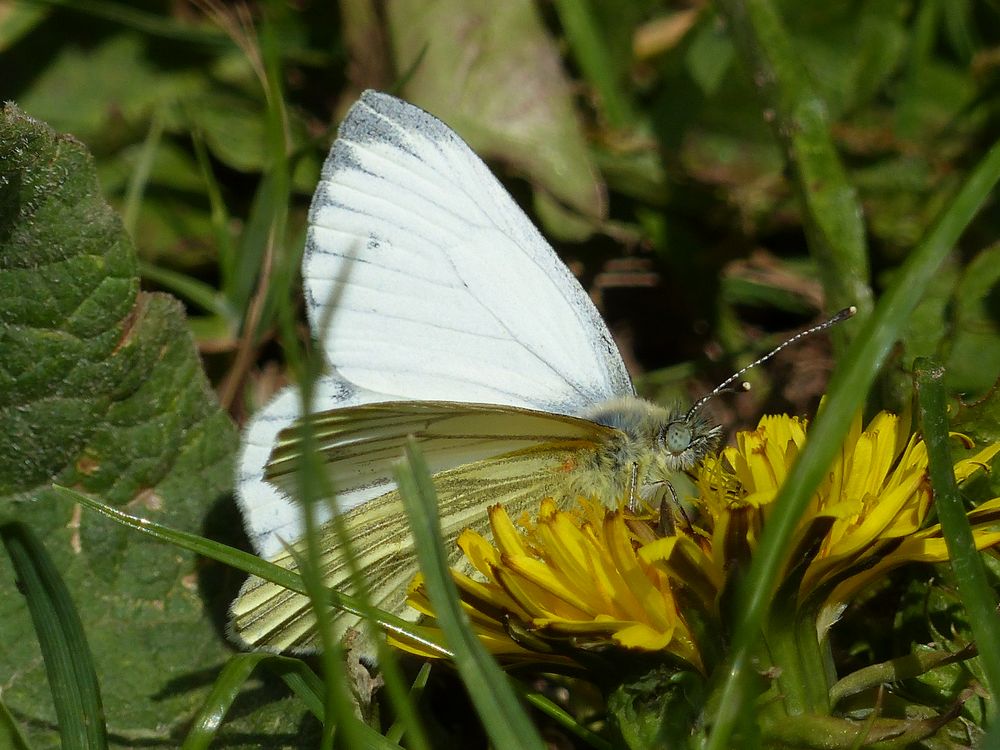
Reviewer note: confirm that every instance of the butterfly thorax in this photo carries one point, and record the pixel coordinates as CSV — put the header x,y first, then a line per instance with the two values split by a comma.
x,y
650,443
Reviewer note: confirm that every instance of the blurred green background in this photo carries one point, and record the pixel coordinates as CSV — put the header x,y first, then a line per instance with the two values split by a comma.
x,y
634,133
712,188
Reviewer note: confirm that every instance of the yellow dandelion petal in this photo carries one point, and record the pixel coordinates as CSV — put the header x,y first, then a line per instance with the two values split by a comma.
x,y
624,632
858,475
984,512
640,635
969,466
478,551
593,513
761,498
932,549
683,560
487,596
777,464
761,468
833,487
890,516
841,510
605,582
505,534
532,583
787,431
918,548
738,458
633,590
911,498
547,510
854,431
500,644
597,576
885,517
660,549
584,572
416,595
565,545
912,462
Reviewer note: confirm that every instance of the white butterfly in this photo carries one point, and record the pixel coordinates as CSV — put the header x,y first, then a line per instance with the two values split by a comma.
x,y
443,314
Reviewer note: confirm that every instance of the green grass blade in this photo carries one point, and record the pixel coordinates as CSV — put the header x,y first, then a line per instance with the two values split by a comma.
x,y
313,487
301,680
202,294
846,394
503,717
970,573
219,212
589,43
565,720
337,709
231,679
68,661
831,209
220,699
398,729
296,674
140,174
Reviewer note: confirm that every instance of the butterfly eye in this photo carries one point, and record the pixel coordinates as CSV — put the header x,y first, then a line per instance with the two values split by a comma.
x,y
676,438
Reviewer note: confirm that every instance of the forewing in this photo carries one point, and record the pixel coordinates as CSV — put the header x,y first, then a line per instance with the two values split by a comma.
x,y
273,618
426,281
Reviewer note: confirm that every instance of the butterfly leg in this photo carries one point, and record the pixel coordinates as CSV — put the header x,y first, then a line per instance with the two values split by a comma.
x,y
632,489
668,509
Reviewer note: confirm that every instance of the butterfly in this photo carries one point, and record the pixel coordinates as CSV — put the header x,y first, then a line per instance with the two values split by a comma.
x,y
443,315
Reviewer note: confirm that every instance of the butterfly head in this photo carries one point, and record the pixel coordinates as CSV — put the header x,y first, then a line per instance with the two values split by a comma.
x,y
686,440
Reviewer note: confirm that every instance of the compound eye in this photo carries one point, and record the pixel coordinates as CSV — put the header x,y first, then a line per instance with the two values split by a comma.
x,y
677,437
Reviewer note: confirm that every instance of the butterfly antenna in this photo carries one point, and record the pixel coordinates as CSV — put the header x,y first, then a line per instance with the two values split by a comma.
x,y
729,383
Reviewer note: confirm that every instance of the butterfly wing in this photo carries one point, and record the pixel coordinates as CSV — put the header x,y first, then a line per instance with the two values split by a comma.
x,y
479,455
426,281
269,513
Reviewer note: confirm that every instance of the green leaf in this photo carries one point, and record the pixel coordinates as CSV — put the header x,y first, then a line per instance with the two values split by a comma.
x,y
101,389
10,733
